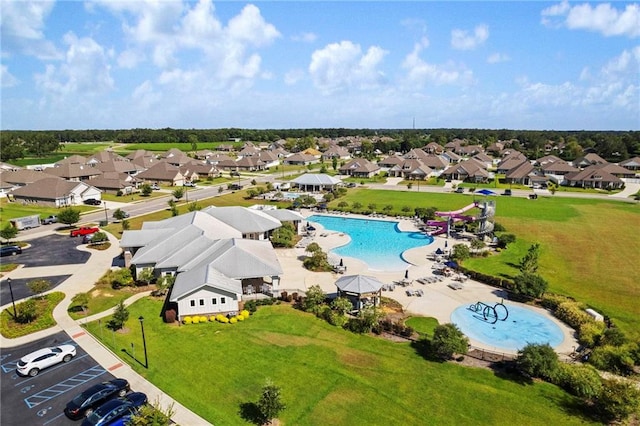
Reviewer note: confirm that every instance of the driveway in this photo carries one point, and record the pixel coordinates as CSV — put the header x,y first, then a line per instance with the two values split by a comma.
x,y
41,400
51,250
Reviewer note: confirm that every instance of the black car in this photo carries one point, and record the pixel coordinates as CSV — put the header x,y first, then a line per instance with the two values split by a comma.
x,y
93,202
10,250
116,411
84,403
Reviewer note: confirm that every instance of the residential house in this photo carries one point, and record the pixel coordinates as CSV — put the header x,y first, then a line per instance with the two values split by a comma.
x,y
390,161
73,172
162,172
115,183
469,170
316,182
360,168
269,159
301,159
250,164
433,148
632,164
587,160
56,192
176,157
337,152
593,177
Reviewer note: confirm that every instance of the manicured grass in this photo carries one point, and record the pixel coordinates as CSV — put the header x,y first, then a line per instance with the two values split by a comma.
x,y
423,325
12,210
11,329
327,375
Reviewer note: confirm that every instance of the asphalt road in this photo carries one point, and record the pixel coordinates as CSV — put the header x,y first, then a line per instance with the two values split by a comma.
x,y
41,400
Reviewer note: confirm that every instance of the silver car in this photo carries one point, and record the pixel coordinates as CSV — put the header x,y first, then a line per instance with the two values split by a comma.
x,y
31,364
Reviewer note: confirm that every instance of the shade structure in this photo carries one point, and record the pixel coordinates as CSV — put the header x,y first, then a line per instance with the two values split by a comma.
x,y
486,192
359,284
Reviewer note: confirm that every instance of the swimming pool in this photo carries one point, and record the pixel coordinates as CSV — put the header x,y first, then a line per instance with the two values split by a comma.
x,y
522,326
378,243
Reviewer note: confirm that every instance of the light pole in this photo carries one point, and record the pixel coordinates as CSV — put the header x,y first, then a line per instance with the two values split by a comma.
x,y
106,217
13,302
144,342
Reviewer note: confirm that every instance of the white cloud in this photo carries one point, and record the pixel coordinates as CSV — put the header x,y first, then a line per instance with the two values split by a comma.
x,y
343,65
305,37
602,18
293,76
420,72
7,79
85,70
462,40
22,24
495,58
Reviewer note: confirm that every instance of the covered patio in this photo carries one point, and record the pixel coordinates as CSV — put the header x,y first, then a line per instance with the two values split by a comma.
x,y
361,290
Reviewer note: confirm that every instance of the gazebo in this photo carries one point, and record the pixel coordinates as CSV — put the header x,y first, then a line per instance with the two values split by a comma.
x,y
362,290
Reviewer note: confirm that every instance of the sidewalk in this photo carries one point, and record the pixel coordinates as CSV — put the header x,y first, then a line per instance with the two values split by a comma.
x,y
83,278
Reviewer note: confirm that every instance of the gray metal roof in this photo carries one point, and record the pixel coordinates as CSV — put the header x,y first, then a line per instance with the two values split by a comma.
x,y
241,258
359,284
166,245
316,179
142,237
243,219
284,215
182,255
205,275
211,226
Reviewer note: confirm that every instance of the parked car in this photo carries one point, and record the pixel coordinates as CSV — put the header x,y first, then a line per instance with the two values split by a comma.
x,y
116,411
83,230
459,190
155,186
86,402
31,364
93,202
49,220
189,184
507,192
10,250
235,187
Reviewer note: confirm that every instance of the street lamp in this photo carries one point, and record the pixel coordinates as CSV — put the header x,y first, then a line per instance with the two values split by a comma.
x,y
144,342
106,217
13,302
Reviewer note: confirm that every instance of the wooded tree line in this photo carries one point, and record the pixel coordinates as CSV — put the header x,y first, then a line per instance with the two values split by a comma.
x,y
611,145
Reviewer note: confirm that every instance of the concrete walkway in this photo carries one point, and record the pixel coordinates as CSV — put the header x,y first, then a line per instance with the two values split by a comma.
x,y
83,279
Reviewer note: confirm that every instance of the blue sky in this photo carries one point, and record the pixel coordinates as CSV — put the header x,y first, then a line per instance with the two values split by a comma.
x,y
201,64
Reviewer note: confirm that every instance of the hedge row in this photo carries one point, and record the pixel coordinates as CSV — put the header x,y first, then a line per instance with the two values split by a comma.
x,y
487,279
219,318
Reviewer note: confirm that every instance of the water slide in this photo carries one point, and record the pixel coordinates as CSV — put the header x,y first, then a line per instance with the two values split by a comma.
x,y
442,226
456,215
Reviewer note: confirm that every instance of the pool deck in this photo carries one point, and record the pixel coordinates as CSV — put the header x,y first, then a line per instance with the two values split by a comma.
x,y
438,301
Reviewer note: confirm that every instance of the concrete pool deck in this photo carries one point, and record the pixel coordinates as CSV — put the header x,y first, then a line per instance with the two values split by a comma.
x,y
438,301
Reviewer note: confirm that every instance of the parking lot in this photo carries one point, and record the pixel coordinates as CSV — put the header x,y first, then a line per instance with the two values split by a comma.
x,y
41,400
50,251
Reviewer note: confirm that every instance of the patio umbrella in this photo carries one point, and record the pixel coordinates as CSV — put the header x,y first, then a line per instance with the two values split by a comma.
x,y
446,244
485,192
341,263
406,274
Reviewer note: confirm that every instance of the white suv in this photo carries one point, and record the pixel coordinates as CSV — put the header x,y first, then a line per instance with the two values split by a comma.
x,y
31,364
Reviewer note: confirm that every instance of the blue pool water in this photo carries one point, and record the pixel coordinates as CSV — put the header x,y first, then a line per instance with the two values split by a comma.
x,y
521,327
378,243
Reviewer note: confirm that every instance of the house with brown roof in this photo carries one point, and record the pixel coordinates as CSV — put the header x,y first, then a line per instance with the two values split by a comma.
x,y
269,159
469,170
483,158
56,192
301,159
433,148
588,160
249,150
452,157
250,164
73,172
104,156
176,157
593,177
162,172
336,151
359,167
390,161
113,182
632,164
72,159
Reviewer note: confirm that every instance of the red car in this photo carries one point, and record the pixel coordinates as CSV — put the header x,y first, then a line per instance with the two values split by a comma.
x,y
84,230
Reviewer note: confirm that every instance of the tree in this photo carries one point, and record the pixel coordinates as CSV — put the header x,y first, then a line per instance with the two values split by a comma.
x,y
529,284
8,232
120,316
125,225
69,216
81,300
99,237
314,298
146,276
460,252
27,311
194,206
119,214
178,193
448,340
39,286
270,403
146,189
341,305
529,263
334,163
477,244
538,360
357,205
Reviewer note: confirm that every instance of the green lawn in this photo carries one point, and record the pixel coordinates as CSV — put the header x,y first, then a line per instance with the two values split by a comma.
x,y
327,375
589,247
44,308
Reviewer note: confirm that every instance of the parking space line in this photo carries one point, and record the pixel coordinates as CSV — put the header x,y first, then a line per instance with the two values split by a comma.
x,y
65,386
50,369
10,366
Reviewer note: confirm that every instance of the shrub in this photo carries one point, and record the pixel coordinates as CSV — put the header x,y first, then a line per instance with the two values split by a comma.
x,y
448,340
225,320
572,314
195,320
580,380
590,333
538,360
251,305
618,400
245,313
212,318
552,301
27,312
239,317
220,318
170,316
611,358
233,320
186,320
203,319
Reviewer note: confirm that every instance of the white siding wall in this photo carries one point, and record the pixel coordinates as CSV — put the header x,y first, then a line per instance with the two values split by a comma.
x,y
203,301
